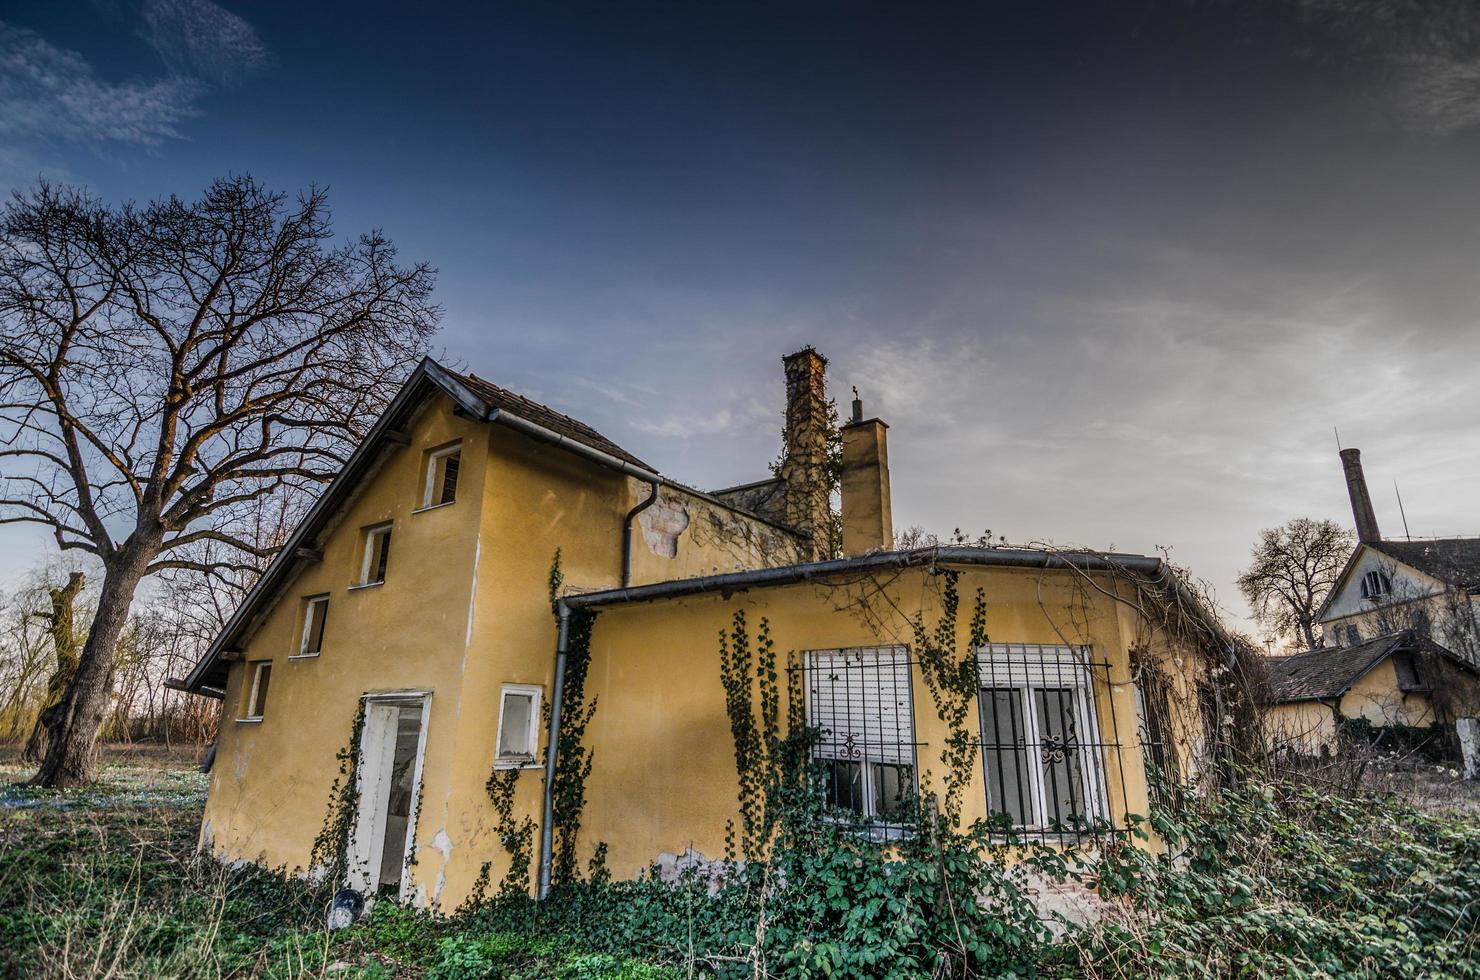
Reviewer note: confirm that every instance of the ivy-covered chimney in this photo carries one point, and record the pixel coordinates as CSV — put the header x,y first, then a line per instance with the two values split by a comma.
x,y
804,466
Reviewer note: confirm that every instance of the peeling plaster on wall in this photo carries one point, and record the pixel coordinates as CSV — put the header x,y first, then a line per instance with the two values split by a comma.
x,y
241,759
443,845
675,867
662,523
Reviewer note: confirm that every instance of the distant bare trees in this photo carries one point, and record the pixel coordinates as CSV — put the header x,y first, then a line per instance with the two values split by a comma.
x,y
1295,567
166,369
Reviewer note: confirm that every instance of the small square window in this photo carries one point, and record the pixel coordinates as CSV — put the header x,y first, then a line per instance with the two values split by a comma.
x,y
518,726
440,484
259,675
377,553
315,615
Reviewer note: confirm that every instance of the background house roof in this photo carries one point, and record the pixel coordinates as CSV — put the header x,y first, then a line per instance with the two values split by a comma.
x,y
532,411
1454,561
1330,671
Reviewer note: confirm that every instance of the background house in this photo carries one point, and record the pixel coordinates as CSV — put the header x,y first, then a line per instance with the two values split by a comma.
x,y
1401,637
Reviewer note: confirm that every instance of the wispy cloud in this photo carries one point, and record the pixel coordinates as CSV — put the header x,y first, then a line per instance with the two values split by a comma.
x,y
200,39
48,93
1429,54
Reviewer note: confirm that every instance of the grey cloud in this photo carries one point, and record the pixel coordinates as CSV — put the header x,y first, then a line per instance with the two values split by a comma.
x,y
51,93
200,39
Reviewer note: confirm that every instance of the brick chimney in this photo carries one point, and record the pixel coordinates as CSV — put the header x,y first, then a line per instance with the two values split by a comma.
x,y
1356,488
804,465
868,521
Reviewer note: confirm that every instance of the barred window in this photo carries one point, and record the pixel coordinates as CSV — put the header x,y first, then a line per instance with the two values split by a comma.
x,y
1041,751
860,702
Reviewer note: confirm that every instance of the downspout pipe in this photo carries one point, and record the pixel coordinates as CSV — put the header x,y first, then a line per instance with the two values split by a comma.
x,y
547,824
652,498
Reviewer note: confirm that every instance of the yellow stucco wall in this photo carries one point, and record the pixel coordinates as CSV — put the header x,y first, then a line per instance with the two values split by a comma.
x,y
270,785
1376,697
1304,727
664,778
464,609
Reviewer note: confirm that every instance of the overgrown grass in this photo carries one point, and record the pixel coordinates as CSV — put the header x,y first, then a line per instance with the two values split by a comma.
x,y
104,882
1280,877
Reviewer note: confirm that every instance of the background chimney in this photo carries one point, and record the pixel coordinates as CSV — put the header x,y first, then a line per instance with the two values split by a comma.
x,y
1356,488
868,524
804,466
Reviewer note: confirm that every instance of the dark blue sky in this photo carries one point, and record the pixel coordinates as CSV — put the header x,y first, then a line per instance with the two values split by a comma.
x,y
1111,271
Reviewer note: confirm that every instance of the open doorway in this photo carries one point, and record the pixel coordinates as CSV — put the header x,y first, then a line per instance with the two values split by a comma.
x,y
389,775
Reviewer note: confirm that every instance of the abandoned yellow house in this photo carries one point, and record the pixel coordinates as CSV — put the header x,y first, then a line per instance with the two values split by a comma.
x,y
403,689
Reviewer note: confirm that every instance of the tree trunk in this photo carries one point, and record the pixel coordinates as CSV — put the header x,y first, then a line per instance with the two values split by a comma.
x,y
73,728
63,630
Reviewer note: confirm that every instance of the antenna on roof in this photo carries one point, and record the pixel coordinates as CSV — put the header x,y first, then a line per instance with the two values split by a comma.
x,y
1400,511
1338,438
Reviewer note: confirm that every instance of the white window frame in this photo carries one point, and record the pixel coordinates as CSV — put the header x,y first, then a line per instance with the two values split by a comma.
x,y
1029,667
431,485
253,711
369,548
535,693
897,657
309,606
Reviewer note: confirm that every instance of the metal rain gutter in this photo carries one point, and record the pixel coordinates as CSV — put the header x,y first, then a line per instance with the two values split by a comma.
x,y
547,822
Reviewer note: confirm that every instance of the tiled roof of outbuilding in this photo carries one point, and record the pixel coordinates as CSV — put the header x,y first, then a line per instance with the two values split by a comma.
x,y
1328,671
1454,561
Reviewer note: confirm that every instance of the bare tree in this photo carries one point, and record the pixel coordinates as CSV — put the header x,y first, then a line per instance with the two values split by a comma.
x,y
61,625
1295,567
164,368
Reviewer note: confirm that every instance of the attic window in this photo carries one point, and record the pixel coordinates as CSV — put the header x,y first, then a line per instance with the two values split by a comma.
x,y
315,615
376,553
440,483
1376,584
518,726
261,673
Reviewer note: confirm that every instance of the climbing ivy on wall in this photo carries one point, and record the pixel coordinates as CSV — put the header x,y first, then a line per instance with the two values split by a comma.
x,y
572,758
330,854
951,678
516,836
765,760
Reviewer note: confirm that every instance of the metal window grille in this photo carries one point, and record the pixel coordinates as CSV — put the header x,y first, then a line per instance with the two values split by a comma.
x,y
1044,757
860,703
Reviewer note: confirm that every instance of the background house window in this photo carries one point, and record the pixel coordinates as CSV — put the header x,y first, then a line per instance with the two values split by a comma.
x,y
259,675
377,552
1041,751
1376,584
518,726
440,483
315,615
861,703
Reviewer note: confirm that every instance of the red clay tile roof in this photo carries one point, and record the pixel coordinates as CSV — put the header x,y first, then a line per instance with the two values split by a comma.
x,y
533,411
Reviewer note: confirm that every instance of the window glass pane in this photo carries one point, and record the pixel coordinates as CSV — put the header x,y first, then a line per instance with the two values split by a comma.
x,y
844,785
382,554
893,785
1059,751
1004,749
449,478
259,702
514,726
318,612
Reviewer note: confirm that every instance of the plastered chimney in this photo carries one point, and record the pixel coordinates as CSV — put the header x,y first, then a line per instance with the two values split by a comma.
x,y
1356,488
804,466
868,521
